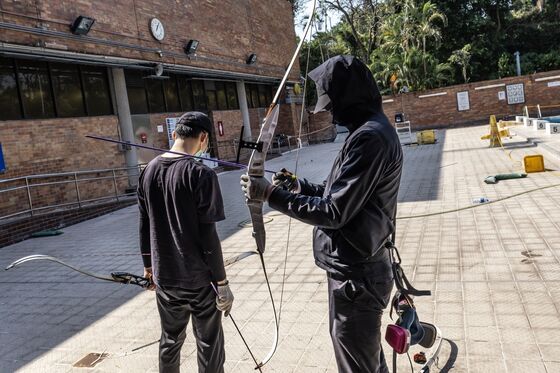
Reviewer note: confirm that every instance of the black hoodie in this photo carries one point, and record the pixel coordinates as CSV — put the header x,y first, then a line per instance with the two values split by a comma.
x,y
353,210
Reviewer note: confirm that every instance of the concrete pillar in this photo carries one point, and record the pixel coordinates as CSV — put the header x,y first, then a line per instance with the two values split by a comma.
x,y
125,124
242,96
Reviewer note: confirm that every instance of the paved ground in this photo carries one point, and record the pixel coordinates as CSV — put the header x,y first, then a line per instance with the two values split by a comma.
x,y
494,272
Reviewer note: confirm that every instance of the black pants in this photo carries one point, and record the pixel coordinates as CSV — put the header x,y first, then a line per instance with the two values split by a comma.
x,y
176,306
355,310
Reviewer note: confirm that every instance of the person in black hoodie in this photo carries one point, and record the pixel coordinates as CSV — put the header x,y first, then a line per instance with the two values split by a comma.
x,y
352,211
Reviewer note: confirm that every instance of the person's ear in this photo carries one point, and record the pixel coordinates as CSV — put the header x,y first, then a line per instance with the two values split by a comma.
x,y
174,135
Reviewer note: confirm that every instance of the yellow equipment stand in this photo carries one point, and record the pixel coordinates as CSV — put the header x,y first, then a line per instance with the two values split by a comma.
x,y
496,133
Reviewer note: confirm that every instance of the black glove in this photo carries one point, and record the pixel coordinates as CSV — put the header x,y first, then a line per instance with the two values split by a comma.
x,y
286,180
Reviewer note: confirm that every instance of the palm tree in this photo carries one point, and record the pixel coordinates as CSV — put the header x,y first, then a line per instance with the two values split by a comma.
x,y
426,28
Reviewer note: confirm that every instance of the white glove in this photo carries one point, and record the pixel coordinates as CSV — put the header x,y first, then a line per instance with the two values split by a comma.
x,y
224,298
256,188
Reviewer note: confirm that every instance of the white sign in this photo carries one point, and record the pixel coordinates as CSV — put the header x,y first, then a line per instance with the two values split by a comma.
x,y
554,84
463,102
502,95
515,94
160,129
171,123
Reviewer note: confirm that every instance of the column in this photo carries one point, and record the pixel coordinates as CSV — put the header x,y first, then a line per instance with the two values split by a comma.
x,y
242,96
125,124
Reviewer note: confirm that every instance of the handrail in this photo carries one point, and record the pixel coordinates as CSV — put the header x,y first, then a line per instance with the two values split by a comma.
x,y
41,176
73,178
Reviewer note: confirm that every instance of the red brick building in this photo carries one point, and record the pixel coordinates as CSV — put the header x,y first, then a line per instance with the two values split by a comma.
x,y
120,69
141,62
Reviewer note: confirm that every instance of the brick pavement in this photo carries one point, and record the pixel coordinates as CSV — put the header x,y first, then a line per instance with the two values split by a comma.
x,y
494,271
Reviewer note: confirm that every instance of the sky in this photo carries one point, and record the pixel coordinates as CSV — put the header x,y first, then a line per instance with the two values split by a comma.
x,y
333,19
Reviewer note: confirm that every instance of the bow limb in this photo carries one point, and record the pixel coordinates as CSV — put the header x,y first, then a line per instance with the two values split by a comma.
x,y
119,277
256,168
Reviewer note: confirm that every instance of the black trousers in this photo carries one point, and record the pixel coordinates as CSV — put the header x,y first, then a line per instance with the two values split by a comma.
x,y
355,310
176,306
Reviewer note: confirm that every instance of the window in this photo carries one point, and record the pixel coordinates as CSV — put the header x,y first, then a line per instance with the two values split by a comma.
x,y
67,90
10,106
171,96
35,87
221,96
210,88
252,95
185,92
137,99
231,92
156,102
199,96
96,88
262,95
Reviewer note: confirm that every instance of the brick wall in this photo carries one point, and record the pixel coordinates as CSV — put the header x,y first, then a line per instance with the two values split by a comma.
x,y
442,111
20,229
225,146
320,128
228,30
54,146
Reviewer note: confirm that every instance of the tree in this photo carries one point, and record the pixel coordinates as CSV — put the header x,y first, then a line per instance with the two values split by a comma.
x,y
363,18
462,58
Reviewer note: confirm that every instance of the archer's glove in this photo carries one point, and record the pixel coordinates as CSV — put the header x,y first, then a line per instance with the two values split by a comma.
x,y
255,188
286,180
224,299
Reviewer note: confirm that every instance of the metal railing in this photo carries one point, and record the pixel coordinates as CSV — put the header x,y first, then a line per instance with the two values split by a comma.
x,y
29,183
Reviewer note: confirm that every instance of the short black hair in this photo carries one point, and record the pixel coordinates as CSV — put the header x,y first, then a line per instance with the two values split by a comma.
x,y
183,131
192,123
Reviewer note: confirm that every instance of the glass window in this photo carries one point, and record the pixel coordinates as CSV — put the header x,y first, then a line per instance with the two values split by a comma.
x,y
221,96
137,99
96,88
171,96
210,89
35,86
252,96
231,91
67,90
185,92
268,93
156,102
199,97
10,107
262,95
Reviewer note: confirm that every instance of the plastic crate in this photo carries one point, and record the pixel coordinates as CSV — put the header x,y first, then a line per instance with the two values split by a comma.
x,y
533,163
426,137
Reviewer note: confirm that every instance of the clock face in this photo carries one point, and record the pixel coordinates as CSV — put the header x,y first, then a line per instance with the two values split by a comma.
x,y
157,29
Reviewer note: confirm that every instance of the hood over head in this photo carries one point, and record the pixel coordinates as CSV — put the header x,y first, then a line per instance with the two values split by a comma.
x,y
346,87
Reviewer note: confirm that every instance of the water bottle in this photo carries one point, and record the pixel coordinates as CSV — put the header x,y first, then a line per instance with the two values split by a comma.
x,y
480,200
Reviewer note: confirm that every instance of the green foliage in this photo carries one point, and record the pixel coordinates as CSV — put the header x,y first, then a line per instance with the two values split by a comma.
x,y
505,66
421,44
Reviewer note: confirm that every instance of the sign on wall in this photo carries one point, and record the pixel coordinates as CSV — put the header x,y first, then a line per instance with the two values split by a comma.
x,y
463,102
515,94
171,123
554,84
502,95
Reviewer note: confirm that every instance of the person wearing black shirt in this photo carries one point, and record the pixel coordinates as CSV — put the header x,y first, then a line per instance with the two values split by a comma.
x,y
180,202
352,211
